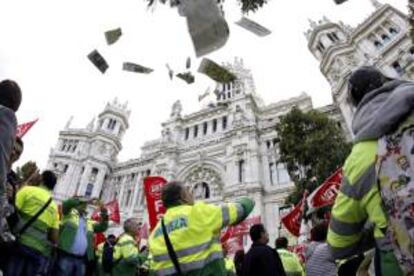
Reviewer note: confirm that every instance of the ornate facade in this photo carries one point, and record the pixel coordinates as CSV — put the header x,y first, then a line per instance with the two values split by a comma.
x,y
382,40
222,152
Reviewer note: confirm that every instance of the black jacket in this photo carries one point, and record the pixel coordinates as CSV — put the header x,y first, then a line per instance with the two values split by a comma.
x,y
262,260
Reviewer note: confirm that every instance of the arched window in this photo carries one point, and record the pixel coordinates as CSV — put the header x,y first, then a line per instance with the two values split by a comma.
x,y
89,189
205,127
206,190
241,171
385,38
393,31
397,67
224,122
94,174
214,125
195,131
187,133
377,44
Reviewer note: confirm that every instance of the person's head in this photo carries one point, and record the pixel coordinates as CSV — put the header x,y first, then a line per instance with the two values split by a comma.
x,y
259,234
362,81
10,94
131,226
49,180
174,194
111,239
17,150
319,232
281,243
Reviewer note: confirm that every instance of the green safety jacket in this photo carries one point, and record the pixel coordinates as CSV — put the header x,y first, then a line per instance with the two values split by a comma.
x,y
291,263
126,256
29,200
357,203
194,232
70,225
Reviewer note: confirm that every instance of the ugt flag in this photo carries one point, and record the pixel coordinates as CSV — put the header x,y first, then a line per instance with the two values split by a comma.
x,y
22,129
326,193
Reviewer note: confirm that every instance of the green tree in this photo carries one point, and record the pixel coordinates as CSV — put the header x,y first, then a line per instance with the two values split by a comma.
x,y
27,170
312,146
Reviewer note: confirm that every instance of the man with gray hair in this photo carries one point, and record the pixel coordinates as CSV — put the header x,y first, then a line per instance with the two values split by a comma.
x,y
186,240
126,256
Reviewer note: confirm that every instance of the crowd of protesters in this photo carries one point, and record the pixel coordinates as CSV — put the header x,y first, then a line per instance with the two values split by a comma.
x,y
358,239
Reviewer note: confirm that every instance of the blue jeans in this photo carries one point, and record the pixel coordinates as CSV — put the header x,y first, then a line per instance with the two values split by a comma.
x,y
27,262
71,266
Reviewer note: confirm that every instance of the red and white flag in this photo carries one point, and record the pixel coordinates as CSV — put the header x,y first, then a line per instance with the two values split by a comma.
x,y
113,212
152,187
22,129
232,236
293,220
326,193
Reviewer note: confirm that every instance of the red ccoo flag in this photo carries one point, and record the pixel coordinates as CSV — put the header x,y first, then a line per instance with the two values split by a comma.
x,y
24,128
113,212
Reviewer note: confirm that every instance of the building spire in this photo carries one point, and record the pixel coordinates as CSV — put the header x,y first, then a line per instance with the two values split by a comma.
x,y
377,4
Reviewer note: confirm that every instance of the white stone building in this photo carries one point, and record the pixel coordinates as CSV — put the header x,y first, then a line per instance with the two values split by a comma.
x,y
221,152
381,40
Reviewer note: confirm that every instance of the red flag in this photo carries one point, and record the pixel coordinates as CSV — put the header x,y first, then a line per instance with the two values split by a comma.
x,y
326,193
99,238
152,188
113,212
24,128
293,220
232,236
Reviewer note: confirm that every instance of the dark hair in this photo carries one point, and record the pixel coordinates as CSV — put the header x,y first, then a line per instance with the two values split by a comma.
x,y
319,232
256,232
281,243
362,81
49,179
111,236
10,94
171,194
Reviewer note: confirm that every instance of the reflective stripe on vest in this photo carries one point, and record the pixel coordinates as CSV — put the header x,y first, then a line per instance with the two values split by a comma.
x,y
185,267
188,251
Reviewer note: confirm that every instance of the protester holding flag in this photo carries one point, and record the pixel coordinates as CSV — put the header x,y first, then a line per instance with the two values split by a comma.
x,y
76,244
186,240
10,99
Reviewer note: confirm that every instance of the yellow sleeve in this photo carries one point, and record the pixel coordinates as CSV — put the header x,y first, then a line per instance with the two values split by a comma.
x,y
21,197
